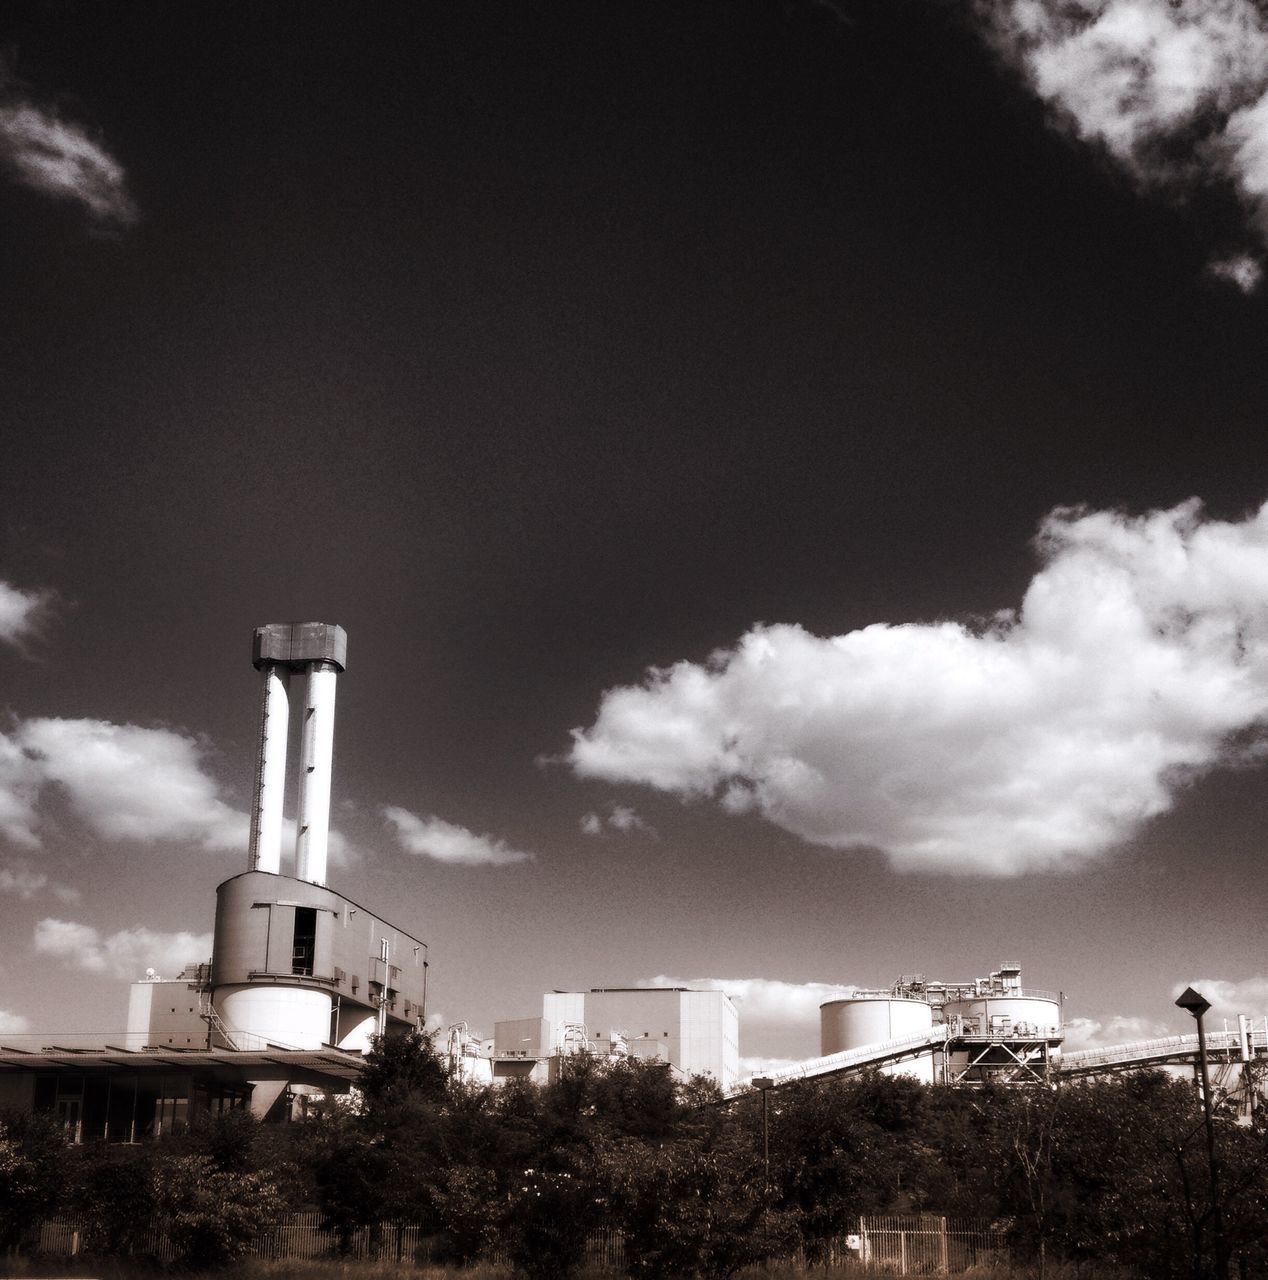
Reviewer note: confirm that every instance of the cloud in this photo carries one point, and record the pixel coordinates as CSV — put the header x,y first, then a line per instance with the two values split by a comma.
x,y
1228,999
1176,91
1095,1033
765,1002
123,781
24,882
1031,740
13,1023
126,954
433,837
24,614
620,818
58,158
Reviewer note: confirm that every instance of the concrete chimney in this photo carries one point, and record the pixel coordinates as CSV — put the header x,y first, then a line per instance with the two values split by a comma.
x,y
318,650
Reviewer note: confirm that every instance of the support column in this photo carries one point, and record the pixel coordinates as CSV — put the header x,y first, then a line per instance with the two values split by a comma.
x,y
270,776
316,758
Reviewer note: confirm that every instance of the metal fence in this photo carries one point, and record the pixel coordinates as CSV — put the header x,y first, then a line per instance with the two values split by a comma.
x,y
927,1245
909,1245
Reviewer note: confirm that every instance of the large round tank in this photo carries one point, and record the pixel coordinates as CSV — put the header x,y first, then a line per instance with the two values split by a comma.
x,y
994,1033
286,1016
864,1020
1007,1016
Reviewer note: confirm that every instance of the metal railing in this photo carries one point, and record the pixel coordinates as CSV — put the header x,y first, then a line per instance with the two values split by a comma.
x,y
1163,1048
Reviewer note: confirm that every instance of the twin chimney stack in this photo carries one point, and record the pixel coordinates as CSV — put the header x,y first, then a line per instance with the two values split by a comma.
x,y
319,651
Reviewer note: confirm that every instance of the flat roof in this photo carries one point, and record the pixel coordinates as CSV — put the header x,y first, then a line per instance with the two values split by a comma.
x,y
328,1063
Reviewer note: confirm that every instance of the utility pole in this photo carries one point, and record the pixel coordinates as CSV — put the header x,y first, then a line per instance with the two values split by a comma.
x,y
1192,1002
765,1083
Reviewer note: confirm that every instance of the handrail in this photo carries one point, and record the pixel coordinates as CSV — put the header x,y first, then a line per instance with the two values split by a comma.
x,y
1162,1047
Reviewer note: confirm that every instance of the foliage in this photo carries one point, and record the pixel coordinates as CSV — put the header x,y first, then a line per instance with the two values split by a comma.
x,y
690,1208
32,1172
212,1214
400,1070
548,1216
115,1197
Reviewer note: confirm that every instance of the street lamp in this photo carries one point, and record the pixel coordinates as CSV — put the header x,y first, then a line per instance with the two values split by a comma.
x,y
765,1084
1197,1005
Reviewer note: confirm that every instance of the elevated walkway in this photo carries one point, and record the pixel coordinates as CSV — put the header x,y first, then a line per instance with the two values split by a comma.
x,y
868,1055
1221,1045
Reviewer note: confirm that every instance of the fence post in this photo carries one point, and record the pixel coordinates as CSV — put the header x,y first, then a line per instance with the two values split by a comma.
x,y
942,1240
902,1251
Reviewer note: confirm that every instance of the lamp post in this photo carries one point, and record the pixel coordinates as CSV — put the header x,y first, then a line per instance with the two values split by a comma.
x,y
765,1083
1194,1003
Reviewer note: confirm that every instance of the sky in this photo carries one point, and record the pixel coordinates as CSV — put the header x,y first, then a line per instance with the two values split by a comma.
x,y
792,473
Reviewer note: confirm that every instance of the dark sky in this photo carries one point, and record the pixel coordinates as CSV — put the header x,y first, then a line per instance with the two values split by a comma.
x,y
540,343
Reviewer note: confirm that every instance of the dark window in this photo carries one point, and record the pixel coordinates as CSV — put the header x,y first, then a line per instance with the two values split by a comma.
x,y
305,940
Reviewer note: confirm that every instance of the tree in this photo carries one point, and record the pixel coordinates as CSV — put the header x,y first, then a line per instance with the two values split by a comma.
x,y
547,1218
212,1215
33,1165
400,1070
691,1207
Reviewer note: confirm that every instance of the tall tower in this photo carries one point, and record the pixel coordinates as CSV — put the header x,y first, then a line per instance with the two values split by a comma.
x,y
318,651
294,963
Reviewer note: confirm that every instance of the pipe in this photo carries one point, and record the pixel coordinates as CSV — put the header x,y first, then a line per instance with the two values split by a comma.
x,y
316,758
265,852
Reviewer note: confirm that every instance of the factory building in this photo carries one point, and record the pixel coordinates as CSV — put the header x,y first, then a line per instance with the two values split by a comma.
x,y
295,964
692,1032
980,1031
300,978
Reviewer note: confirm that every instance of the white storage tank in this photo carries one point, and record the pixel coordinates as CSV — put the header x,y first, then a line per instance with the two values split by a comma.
x,y
1002,1036
871,1019
1017,1015
257,1015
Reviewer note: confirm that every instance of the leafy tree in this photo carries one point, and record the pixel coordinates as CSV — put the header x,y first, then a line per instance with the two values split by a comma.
x,y
212,1215
467,1205
548,1216
115,1197
33,1161
692,1208
400,1070
838,1148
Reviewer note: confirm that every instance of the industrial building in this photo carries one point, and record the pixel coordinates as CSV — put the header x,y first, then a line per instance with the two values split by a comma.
x,y
300,977
692,1032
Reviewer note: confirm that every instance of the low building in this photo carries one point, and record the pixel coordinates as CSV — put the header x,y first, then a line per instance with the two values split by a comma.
x,y
693,1032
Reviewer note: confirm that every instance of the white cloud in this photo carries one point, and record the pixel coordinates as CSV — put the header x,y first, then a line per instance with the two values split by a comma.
x,y
1175,90
1037,739
1097,1033
767,1002
620,818
126,954
1241,269
23,881
1229,998
59,159
13,1023
19,789
779,1021
24,614
126,782
433,837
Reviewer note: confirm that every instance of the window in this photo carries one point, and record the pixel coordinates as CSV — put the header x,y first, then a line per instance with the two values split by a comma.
x,y
305,944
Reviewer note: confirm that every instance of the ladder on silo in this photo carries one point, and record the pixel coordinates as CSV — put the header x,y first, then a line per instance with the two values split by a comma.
x,y
215,1026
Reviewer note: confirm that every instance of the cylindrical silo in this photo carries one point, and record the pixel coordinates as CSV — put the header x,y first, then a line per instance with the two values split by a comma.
x,y
872,1019
993,1032
284,1016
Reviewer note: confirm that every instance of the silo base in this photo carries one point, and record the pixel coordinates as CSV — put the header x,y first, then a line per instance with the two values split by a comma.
x,y
288,1017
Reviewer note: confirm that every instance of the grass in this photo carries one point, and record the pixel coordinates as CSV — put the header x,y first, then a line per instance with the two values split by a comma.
x,y
42,1268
